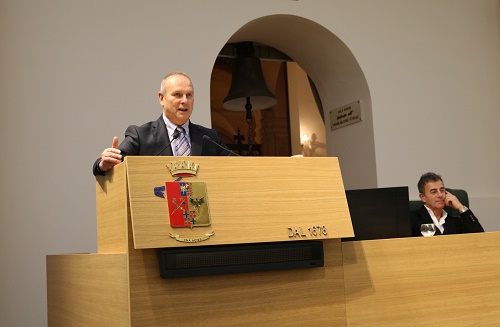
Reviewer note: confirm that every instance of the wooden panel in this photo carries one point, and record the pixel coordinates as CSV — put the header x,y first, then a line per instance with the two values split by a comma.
x,y
112,211
445,280
88,290
250,199
298,297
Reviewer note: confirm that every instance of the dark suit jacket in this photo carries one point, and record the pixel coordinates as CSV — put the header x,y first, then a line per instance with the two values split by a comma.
x,y
466,223
151,139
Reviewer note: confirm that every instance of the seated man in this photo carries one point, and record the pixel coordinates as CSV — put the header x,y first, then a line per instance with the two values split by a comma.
x,y
435,197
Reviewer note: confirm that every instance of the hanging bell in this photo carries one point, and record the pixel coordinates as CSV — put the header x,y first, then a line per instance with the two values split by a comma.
x,y
248,87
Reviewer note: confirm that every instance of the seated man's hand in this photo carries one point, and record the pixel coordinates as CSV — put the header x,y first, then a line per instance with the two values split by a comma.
x,y
452,201
110,157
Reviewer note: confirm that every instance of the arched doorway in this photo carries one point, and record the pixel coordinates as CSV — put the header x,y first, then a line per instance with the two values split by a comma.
x,y
339,80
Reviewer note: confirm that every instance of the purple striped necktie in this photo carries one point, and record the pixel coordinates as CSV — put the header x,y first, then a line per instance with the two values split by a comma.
x,y
182,147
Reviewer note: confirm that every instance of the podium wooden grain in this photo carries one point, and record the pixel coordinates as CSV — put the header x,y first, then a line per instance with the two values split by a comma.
x,y
251,200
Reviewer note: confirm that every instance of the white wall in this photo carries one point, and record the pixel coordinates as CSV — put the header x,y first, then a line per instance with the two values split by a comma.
x,y
73,75
435,86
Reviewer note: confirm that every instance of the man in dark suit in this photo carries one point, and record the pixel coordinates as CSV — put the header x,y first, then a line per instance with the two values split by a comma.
x,y
435,197
171,134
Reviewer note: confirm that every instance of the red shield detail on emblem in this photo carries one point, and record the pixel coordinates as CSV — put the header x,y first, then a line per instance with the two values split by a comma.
x,y
187,204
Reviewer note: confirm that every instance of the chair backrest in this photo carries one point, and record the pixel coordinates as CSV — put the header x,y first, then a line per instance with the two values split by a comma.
x,y
461,195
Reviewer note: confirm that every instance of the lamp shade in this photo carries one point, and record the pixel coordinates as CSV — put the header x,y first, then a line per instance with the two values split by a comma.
x,y
247,82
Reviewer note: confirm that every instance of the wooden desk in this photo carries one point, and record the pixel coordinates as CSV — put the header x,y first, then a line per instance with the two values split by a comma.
x,y
446,280
451,280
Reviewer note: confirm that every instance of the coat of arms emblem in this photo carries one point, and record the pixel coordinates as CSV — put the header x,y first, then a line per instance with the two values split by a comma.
x,y
187,204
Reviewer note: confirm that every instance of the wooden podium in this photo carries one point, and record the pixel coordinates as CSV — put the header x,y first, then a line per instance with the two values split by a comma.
x,y
251,200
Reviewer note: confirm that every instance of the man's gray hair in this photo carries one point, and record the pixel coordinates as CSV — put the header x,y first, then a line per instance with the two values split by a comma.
x,y
162,85
425,178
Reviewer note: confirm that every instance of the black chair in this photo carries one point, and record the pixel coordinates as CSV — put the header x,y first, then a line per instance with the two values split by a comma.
x,y
461,195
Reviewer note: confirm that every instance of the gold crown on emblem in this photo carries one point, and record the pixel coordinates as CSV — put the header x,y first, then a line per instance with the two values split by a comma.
x,y
183,168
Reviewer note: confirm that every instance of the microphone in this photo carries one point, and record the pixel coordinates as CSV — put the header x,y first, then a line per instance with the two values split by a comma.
x,y
174,136
207,138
